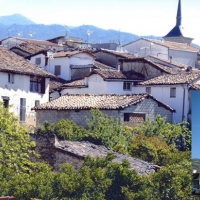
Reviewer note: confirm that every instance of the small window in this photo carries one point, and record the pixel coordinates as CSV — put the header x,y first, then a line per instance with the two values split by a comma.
x,y
126,117
172,92
37,84
5,101
37,102
127,86
38,61
22,109
57,70
11,78
148,90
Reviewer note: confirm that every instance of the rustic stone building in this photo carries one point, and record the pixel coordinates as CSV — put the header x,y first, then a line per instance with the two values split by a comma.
x,y
130,109
57,152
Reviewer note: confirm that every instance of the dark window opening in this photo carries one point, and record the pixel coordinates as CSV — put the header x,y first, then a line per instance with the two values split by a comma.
x,y
37,102
172,92
38,61
11,78
127,85
148,90
5,101
37,85
57,70
126,117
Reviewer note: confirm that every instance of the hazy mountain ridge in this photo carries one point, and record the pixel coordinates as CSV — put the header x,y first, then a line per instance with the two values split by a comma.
x,y
19,26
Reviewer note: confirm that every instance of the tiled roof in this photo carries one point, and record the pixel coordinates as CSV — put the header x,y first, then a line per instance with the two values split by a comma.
x,y
11,62
195,86
75,83
84,149
117,53
38,42
175,64
170,45
172,79
117,75
87,101
99,65
55,83
70,53
29,48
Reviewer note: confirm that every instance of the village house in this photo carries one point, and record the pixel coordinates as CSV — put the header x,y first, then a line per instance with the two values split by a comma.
x,y
111,57
56,152
173,89
172,51
129,109
22,85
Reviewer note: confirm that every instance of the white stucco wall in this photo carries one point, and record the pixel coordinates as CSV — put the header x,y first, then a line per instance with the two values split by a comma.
x,y
144,48
66,62
185,57
42,56
162,93
21,89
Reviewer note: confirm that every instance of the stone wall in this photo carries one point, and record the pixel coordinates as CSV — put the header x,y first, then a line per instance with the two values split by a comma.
x,y
78,116
46,146
148,106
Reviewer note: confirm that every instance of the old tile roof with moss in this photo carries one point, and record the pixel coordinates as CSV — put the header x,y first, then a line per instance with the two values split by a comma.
x,y
12,63
104,101
173,79
84,149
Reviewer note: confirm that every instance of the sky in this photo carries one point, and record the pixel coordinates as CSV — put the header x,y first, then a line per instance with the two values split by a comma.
x,y
195,124
140,17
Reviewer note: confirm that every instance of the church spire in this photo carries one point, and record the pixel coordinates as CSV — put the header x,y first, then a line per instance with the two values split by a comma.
x,y
179,17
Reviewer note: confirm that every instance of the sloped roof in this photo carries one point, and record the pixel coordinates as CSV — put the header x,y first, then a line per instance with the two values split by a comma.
x,y
194,86
173,79
170,45
70,53
158,66
104,101
112,74
29,48
100,65
75,83
11,62
84,149
116,53
55,83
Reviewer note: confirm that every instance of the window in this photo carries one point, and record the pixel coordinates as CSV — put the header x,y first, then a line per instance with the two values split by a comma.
x,y
5,101
37,84
172,92
22,109
127,86
57,70
11,78
148,90
134,118
37,102
38,61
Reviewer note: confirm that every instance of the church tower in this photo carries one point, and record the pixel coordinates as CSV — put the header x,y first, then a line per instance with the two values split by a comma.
x,y
176,35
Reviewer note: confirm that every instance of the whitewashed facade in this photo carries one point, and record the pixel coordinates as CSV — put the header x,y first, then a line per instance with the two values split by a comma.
x,y
181,53
19,94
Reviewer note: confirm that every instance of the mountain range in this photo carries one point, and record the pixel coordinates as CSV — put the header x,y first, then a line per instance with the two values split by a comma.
x,y
19,26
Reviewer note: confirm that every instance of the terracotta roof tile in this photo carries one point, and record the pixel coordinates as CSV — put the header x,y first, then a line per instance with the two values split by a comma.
x,y
195,86
11,62
55,83
75,83
87,101
99,65
172,79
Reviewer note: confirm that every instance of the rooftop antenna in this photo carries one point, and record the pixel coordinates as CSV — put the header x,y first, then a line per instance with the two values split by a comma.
x,y
19,33
88,34
67,31
119,38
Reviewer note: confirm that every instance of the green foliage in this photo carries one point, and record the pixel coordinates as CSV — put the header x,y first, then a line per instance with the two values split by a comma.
x,y
174,134
64,129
